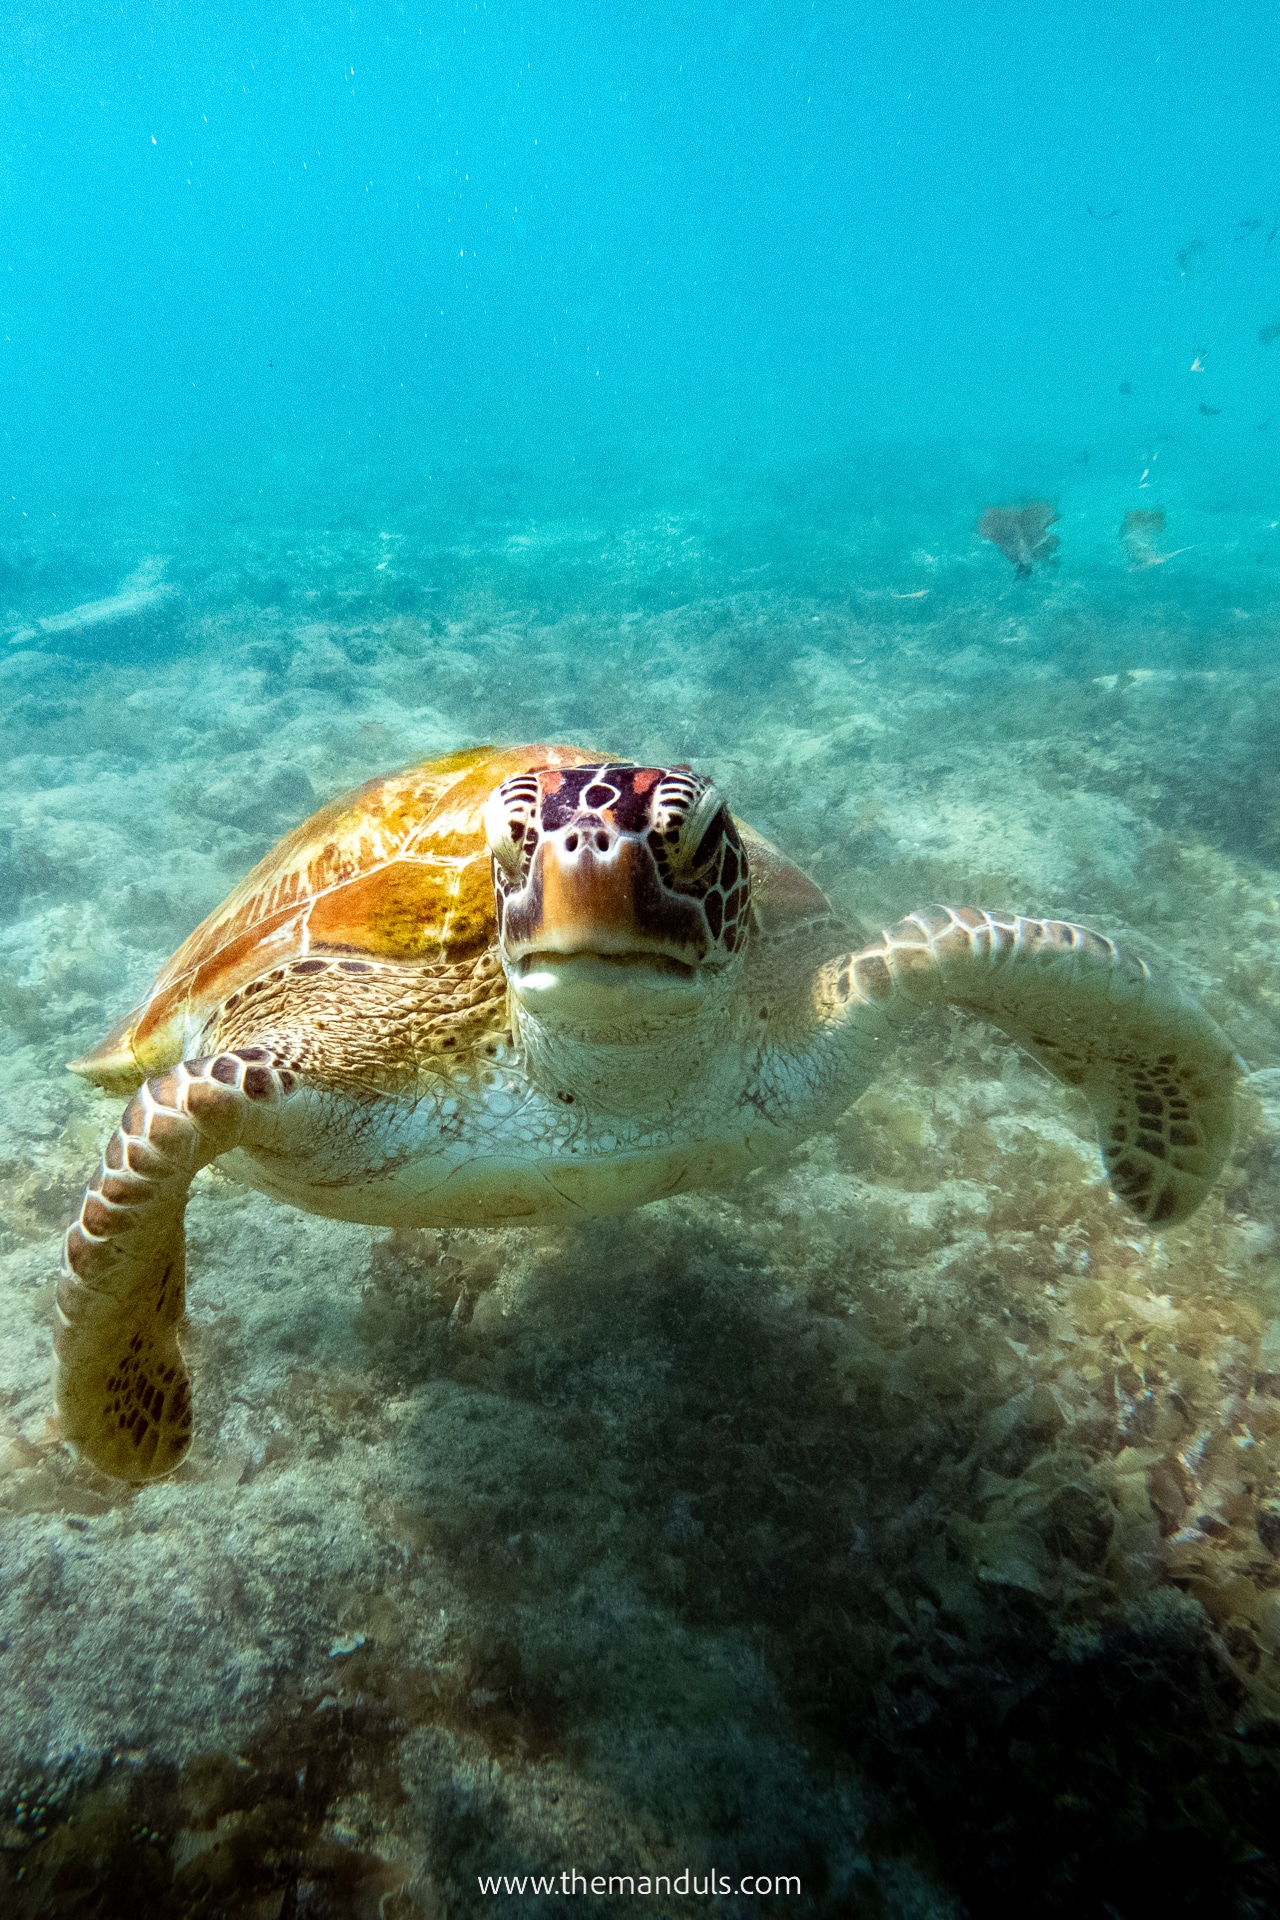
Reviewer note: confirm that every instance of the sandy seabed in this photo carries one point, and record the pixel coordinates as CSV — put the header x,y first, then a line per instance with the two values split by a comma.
x,y
907,1520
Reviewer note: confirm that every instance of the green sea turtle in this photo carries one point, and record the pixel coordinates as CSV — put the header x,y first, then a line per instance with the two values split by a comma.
x,y
533,982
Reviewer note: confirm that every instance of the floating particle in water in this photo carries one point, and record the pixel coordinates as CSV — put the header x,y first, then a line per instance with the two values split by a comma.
x,y
1139,532
1188,255
1021,533
1213,412
1269,333
1197,365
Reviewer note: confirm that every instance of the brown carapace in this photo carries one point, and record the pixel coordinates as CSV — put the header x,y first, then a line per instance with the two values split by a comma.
x,y
396,873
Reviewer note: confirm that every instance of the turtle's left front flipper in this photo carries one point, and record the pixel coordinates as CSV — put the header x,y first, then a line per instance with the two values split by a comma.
x,y
1159,1074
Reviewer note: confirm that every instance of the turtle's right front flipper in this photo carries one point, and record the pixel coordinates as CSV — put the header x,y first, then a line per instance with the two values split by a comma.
x,y
122,1386
1160,1075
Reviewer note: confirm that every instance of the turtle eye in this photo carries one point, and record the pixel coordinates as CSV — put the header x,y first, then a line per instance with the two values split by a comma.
x,y
510,817
684,806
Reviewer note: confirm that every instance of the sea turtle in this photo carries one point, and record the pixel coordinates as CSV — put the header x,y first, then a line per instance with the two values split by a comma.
x,y
528,982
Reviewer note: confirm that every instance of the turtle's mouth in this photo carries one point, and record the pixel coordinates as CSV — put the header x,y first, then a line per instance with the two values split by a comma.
x,y
592,963
589,983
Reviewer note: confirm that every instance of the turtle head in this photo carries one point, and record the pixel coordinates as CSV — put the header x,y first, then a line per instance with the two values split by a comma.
x,y
618,887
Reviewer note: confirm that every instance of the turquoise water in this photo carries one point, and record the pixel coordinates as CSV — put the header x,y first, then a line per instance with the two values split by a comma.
x,y
904,1520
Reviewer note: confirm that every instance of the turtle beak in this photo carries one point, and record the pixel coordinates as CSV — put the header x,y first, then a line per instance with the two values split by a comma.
x,y
595,890
590,893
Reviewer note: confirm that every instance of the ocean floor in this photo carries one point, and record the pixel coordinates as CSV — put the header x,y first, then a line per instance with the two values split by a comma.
x,y
906,1520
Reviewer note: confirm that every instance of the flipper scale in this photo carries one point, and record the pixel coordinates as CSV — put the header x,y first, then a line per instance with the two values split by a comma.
x,y
1159,1074
122,1386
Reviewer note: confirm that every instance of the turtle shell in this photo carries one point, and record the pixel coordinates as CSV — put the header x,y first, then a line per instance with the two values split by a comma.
x,y
396,870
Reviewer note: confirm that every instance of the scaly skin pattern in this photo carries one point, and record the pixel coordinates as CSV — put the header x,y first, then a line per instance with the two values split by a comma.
x,y
368,1026
441,1082
1159,1074
122,1385
506,1119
